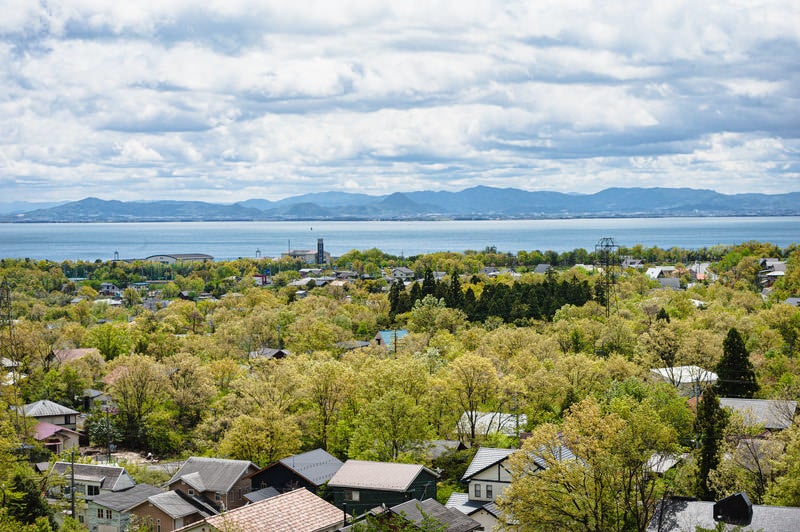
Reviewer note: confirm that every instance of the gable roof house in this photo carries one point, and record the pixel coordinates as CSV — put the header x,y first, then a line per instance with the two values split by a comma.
x,y
110,512
690,380
222,481
770,414
92,479
170,510
487,477
50,412
308,470
56,439
293,511
387,337
363,485
420,513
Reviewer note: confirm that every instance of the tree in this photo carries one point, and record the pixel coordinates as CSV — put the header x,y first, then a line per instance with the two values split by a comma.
x,y
139,388
110,339
709,426
786,488
455,296
473,383
591,472
736,377
262,439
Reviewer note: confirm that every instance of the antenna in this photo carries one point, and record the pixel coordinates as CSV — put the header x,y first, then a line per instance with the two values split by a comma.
x,y
607,258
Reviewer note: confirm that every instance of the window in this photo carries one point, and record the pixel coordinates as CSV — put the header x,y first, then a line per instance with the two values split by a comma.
x,y
191,492
109,514
99,513
351,495
92,490
477,490
80,518
158,525
239,494
217,497
488,491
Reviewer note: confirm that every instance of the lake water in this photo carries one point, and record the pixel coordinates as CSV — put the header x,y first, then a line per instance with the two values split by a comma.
x,y
229,240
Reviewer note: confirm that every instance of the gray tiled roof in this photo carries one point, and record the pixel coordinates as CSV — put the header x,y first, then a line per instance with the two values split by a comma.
x,y
462,503
680,515
485,457
452,520
260,495
46,408
175,505
770,414
213,474
123,500
318,466
384,476
113,478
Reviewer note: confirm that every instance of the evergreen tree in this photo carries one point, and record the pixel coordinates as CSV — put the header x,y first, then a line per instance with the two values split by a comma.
x,y
455,297
708,426
394,299
416,293
735,374
428,283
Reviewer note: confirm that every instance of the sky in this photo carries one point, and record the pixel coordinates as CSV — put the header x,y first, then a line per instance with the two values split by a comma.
x,y
226,100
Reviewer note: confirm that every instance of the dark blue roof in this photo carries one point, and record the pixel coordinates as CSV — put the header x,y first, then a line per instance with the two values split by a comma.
x,y
317,466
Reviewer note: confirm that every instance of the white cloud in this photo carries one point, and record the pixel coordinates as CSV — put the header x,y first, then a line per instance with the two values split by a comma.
x,y
236,98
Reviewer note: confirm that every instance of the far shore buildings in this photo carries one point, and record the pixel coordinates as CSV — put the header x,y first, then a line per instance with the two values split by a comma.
x,y
310,256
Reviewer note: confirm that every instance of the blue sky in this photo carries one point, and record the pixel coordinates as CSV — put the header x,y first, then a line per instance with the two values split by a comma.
x,y
225,100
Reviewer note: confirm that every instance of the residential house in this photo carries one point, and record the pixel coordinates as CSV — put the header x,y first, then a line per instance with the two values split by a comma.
x,y
793,301
96,399
771,270
307,470
62,356
690,380
50,412
55,438
772,415
486,423
660,272
90,480
110,512
630,262
732,513
9,371
293,511
436,448
542,268
402,273
387,338
266,353
170,510
487,477
701,271
362,485
109,289
419,513
222,481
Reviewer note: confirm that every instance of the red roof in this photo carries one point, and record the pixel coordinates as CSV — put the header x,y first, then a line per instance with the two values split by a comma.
x,y
45,430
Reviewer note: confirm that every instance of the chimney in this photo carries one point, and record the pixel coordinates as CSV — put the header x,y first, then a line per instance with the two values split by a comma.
x,y
734,510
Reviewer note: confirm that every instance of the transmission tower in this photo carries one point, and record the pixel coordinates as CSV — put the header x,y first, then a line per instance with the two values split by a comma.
x,y
607,257
6,320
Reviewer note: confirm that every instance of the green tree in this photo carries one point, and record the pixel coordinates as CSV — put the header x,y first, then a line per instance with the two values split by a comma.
x,y
736,377
709,427
111,339
261,439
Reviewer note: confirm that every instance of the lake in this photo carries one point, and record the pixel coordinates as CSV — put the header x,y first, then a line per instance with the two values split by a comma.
x,y
230,240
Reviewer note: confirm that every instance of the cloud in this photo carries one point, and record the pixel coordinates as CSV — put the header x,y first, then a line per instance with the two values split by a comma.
x,y
248,98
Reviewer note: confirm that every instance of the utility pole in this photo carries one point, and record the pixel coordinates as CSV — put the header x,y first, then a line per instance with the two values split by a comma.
x,y
72,483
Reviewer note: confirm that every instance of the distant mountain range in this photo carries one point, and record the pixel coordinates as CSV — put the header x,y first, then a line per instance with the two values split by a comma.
x,y
473,203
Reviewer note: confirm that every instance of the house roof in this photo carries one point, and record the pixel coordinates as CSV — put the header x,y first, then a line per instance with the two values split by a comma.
x,y
462,503
45,408
679,515
387,337
113,478
44,430
436,448
123,500
794,301
66,355
485,458
686,374
317,466
212,474
487,422
771,414
542,268
260,495
269,352
177,504
384,476
452,520
294,511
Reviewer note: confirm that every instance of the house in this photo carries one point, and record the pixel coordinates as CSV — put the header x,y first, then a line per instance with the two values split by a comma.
x,y
260,495
486,423
690,380
50,412
679,514
362,485
96,399
110,512
62,356
669,283
109,289
660,272
436,448
90,480
293,511
55,438
542,268
487,477
418,513
224,482
630,262
266,353
770,414
793,301
388,337
402,273
701,271
307,470
170,510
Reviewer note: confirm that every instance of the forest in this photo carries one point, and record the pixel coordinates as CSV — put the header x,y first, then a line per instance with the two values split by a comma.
x,y
572,349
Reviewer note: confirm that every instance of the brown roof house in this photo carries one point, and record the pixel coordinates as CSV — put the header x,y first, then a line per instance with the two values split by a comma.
x,y
170,510
362,485
293,511
224,482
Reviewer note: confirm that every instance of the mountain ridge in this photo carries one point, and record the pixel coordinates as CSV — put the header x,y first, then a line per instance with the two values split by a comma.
x,y
480,202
